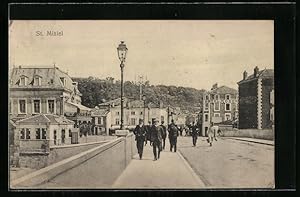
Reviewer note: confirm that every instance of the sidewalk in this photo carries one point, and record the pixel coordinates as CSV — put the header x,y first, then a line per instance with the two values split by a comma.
x,y
170,171
259,141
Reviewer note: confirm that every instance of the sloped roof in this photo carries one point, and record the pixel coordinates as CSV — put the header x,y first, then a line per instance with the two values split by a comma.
x,y
46,118
224,90
81,107
116,102
99,112
46,73
266,73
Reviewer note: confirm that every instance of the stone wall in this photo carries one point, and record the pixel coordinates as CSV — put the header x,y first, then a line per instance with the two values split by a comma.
x,y
266,134
103,163
248,105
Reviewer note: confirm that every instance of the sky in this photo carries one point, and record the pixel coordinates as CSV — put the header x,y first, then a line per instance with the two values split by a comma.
x,y
189,53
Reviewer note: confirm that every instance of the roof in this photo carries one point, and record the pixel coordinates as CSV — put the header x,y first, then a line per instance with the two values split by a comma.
x,y
223,90
116,101
50,77
266,73
99,112
81,107
46,118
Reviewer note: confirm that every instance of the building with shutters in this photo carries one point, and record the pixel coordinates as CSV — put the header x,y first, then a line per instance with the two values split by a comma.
x,y
220,104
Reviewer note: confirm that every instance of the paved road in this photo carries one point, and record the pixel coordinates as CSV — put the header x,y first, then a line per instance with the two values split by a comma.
x,y
230,163
170,171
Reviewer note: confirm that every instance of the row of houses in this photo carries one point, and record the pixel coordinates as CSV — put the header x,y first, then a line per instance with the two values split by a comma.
x,y
249,107
49,91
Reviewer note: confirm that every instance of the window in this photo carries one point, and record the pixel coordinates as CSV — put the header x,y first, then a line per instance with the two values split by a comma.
x,y
27,134
118,113
10,106
22,106
100,120
227,96
37,133
70,133
63,80
36,106
141,113
132,121
44,133
37,81
22,134
206,106
51,106
217,97
63,136
117,121
133,113
23,81
216,114
227,116
54,137
51,81
206,117
217,106
162,118
227,107
207,97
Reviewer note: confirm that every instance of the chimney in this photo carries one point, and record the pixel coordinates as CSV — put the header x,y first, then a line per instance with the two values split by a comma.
x,y
256,70
245,75
215,86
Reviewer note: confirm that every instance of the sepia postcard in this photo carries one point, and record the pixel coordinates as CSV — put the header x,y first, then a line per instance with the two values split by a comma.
x,y
141,104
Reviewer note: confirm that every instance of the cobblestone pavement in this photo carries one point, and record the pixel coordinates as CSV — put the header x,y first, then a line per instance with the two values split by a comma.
x,y
230,163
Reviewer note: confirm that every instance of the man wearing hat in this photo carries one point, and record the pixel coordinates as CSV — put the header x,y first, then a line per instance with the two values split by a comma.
x,y
140,137
156,138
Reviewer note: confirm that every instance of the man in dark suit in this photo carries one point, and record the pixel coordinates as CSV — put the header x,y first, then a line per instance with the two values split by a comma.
x,y
173,134
156,139
148,132
194,129
164,134
140,137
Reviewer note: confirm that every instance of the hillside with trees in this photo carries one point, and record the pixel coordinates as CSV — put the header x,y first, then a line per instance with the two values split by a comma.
x,y
95,91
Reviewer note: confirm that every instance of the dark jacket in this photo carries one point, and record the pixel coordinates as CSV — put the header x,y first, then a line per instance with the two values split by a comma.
x,y
173,133
140,132
164,134
194,130
156,133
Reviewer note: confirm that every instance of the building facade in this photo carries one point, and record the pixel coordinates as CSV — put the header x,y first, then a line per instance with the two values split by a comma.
x,y
45,90
256,100
101,119
220,104
133,111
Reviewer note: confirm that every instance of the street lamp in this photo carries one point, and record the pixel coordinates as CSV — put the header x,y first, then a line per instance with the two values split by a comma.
x,y
122,51
144,113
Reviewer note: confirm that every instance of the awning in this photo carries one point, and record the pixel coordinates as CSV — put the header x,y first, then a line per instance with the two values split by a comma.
x,y
81,107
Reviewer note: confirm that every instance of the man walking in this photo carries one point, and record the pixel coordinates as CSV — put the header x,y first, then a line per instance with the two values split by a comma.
x,y
194,133
140,137
212,133
148,131
156,139
164,134
173,134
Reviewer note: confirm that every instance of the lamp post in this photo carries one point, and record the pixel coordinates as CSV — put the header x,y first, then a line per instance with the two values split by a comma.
x,y
144,113
122,51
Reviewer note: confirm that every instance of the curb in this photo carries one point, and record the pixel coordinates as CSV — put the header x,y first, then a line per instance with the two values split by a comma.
x,y
245,140
199,181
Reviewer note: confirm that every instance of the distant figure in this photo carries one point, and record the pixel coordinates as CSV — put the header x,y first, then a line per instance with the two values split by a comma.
x,y
173,134
194,132
164,134
212,133
181,130
140,137
156,139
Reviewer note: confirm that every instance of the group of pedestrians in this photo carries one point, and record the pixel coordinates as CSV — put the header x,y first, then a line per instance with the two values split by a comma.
x,y
156,134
